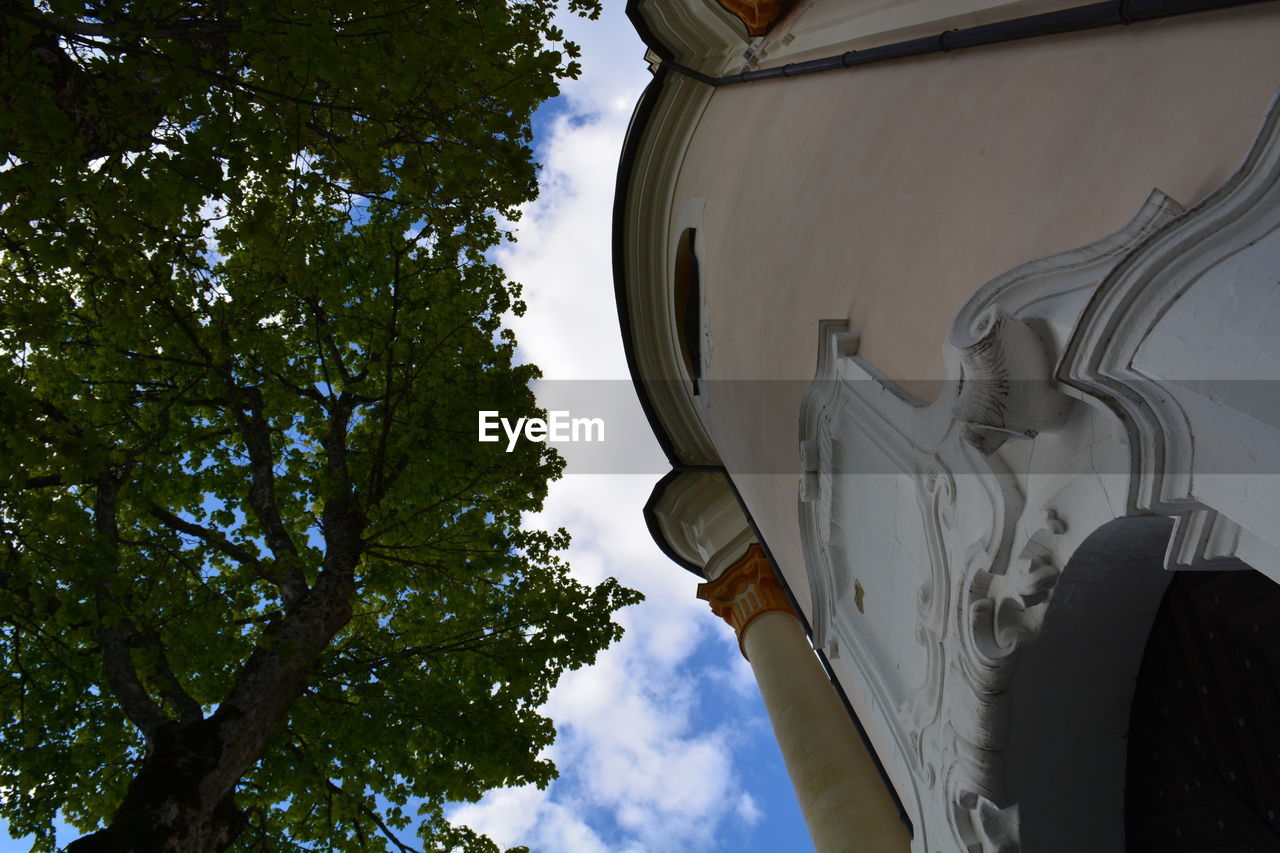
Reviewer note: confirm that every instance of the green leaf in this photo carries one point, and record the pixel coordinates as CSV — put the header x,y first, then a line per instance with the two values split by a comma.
x,y
247,322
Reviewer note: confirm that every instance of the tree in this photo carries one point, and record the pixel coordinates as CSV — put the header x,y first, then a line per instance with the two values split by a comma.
x,y
260,586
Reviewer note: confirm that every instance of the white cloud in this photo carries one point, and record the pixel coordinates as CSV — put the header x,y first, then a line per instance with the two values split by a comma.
x,y
647,766
748,811
517,815
563,254
641,769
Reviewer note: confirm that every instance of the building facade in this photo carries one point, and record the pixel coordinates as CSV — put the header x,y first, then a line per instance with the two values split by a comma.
x,y
956,322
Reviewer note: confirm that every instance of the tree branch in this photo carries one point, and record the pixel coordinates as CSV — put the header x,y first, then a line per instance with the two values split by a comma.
x,y
43,482
247,410
171,690
379,484
212,538
117,661
300,750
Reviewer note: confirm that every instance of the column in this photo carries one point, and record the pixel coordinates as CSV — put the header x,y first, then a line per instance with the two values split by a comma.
x,y
844,801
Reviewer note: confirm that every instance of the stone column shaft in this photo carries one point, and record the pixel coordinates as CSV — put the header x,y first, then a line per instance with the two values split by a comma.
x,y
844,801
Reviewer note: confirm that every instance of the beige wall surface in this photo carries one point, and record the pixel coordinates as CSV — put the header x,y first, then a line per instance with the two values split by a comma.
x,y
887,195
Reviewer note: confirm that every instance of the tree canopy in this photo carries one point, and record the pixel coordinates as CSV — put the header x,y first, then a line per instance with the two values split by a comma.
x,y
260,586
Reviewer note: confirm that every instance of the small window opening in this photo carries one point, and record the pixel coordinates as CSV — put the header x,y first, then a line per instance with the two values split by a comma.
x,y
688,307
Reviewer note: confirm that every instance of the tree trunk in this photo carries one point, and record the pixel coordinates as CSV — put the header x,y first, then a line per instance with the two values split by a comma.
x,y
182,800
168,808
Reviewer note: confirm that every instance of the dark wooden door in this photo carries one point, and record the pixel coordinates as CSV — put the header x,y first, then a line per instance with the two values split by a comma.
x,y
1204,742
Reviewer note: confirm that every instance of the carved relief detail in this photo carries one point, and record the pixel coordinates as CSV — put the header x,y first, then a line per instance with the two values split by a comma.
x,y
1003,345
1004,389
986,546
984,587
984,826
854,417
1007,608
744,591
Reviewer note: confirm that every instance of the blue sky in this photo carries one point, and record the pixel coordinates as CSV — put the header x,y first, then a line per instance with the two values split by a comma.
x,y
664,744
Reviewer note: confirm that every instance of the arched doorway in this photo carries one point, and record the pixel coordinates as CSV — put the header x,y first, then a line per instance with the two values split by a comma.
x,y
1203,769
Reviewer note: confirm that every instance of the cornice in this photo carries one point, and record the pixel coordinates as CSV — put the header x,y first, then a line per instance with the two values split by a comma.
x,y
698,34
646,268
818,27
699,518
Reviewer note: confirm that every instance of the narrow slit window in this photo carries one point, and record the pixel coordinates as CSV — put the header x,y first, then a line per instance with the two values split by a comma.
x,y
688,307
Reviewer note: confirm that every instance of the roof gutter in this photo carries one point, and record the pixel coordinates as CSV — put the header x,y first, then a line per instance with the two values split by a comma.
x,y
1073,20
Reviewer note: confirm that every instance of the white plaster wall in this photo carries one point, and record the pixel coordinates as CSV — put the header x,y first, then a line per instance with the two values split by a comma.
x,y
888,195
1108,415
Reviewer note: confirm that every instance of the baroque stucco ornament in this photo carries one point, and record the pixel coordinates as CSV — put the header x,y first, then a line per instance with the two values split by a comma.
x,y
1072,402
745,590
1204,420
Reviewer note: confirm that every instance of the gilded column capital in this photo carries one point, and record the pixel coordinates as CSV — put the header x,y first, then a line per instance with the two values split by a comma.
x,y
747,589
758,15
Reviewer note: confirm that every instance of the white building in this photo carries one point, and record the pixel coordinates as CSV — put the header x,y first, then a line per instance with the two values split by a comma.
x,y
963,313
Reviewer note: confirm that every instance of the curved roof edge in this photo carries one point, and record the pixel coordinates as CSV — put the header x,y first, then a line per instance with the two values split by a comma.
x,y
646,34
630,147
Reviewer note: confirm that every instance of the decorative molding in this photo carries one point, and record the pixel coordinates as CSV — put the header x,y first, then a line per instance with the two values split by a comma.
x,y
649,266
1002,390
984,826
700,34
896,494
818,27
744,591
702,521
1005,340
1010,607
865,446
1179,342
